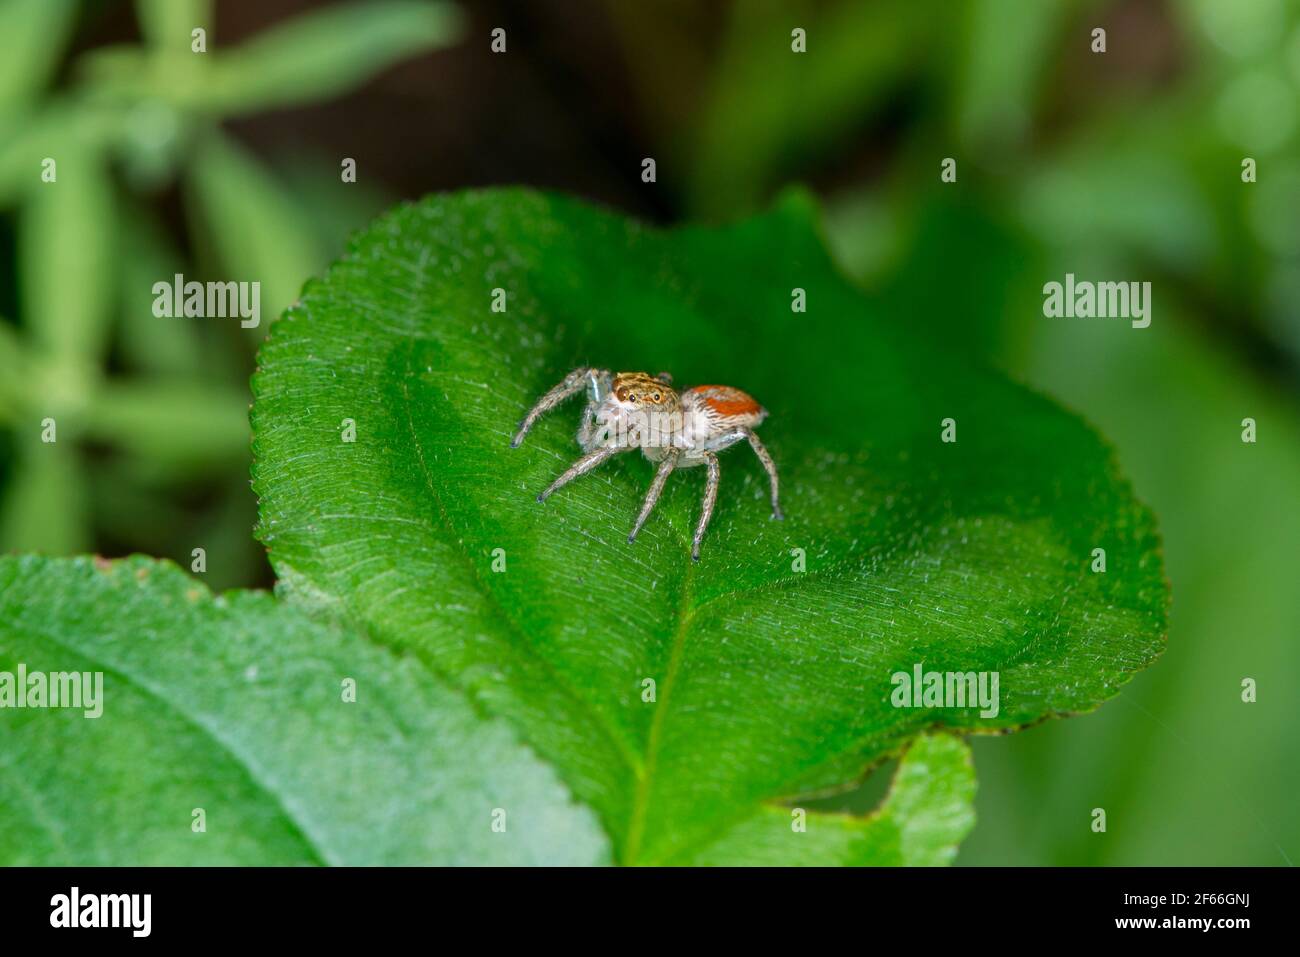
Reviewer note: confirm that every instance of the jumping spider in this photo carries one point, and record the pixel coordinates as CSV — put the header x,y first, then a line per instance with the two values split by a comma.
x,y
675,429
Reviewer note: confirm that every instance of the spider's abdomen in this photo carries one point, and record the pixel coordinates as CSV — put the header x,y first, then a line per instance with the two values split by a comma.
x,y
726,408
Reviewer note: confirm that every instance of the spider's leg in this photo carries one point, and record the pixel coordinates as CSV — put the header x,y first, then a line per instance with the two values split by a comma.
x,y
589,434
769,466
573,383
656,488
581,467
710,498
727,439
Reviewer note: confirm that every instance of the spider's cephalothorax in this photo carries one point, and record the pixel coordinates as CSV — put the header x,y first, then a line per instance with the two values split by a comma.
x,y
675,429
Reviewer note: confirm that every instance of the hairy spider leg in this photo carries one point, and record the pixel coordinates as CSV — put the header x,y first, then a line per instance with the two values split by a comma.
x,y
573,383
728,439
656,488
588,435
582,467
710,498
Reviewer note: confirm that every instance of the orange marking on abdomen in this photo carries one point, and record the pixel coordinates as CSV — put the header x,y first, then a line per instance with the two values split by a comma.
x,y
725,400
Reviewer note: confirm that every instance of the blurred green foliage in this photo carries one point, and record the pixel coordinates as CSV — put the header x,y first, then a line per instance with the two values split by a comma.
x,y
152,413
1125,165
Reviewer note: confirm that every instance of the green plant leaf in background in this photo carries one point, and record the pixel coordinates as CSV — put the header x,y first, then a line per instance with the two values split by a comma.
x,y
34,32
314,56
326,53
46,500
69,287
744,143
148,113
147,345
228,189
13,374
68,292
770,682
235,704
167,24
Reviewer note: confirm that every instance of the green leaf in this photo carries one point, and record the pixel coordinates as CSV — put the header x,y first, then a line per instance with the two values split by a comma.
x,y
13,372
168,24
44,507
171,423
234,704
323,54
69,287
769,108
166,347
62,128
34,33
926,814
228,191
770,683
995,93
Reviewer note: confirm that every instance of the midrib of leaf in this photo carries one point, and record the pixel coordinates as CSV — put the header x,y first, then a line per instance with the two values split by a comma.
x,y
640,810
642,767
645,780
787,791
311,843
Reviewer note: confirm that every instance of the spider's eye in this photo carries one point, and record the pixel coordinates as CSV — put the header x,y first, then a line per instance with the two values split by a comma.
x,y
655,397
631,397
